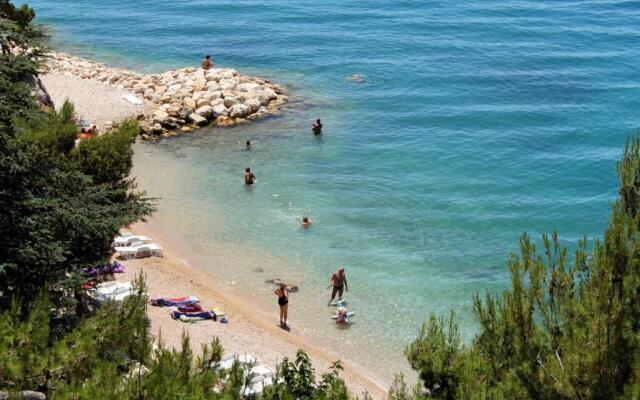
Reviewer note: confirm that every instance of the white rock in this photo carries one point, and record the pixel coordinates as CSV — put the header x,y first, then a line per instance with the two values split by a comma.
x,y
190,103
203,102
160,116
270,93
205,111
219,110
239,111
198,120
212,77
253,104
247,87
198,95
231,101
226,84
200,84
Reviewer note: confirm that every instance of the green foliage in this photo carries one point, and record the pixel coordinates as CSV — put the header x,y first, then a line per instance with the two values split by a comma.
x,y
58,214
107,159
565,329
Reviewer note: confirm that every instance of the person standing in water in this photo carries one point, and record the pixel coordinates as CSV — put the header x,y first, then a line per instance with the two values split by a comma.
x,y
317,127
283,302
248,144
339,283
249,177
207,63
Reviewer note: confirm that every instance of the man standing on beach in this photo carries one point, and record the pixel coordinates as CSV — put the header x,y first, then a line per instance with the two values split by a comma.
x,y
339,283
207,63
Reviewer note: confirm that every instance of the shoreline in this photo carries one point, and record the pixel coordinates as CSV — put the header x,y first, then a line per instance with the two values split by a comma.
x,y
250,330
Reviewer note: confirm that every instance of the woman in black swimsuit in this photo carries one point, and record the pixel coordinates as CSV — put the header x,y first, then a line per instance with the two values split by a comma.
x,y
283,302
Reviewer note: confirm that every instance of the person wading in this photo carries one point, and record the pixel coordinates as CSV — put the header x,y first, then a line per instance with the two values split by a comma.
x,y
249,177
339,283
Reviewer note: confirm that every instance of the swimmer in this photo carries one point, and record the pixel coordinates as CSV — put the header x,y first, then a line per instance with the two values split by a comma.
x,y
317,127
356,78
305,222
249,177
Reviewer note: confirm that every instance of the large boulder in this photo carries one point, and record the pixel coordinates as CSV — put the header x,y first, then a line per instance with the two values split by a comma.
x,y
270,93
239,111
190,103
205,111
247,87
231,101
185,112
219,110
199,94
212,76
160,116
170,123
198,120
200,84
226,84
202,102
156,129
253,104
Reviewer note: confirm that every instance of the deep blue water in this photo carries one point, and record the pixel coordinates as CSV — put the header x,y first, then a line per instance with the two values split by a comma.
x,y
478,121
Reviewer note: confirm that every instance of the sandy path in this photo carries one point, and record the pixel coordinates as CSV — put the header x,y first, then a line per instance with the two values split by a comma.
x,y
93,100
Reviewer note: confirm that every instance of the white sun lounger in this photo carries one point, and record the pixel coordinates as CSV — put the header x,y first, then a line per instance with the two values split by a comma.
x,y
113,290
139,250
124,241
257,385
245,360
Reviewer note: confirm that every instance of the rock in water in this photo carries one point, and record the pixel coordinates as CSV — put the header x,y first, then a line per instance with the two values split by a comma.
x,y
205,111
197,119
239,111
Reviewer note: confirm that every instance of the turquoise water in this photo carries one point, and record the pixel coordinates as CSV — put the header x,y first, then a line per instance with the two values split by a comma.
x,y
478,120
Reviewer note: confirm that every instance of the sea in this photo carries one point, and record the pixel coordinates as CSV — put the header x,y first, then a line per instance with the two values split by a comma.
x,y
475,122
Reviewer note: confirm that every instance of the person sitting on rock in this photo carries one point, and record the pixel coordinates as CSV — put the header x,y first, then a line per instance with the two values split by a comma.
x,y
249,177
317,127
207,63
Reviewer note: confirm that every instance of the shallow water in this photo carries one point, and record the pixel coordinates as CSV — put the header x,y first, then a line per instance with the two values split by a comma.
x,y
478,120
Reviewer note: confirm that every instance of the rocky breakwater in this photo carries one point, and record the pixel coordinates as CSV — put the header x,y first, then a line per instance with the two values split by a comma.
x,y
186,98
